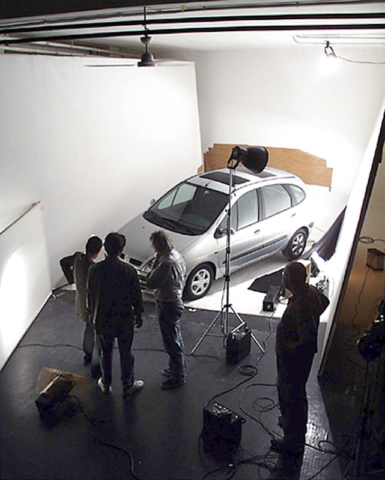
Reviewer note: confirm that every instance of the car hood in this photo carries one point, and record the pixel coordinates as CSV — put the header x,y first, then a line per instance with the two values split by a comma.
x,y
138,246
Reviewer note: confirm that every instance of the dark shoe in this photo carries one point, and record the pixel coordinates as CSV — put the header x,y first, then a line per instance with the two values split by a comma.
x,y
172,383
281,445
167,372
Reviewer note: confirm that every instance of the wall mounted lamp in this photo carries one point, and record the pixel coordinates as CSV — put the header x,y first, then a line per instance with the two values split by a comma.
x,y
329,52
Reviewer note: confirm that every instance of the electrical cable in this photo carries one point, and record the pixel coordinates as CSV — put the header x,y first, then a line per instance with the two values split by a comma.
x,y
370,240
234,387
248,370
253,371
49,346
134,348
359,298
338,453
362,62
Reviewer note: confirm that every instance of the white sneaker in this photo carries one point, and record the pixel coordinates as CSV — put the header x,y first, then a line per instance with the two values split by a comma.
x,y
135,387
106,389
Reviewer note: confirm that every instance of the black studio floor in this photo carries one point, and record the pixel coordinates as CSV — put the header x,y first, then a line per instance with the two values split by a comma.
x,y
156,434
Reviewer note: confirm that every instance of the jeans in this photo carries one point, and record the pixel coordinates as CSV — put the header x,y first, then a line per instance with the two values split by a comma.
x,y
169,314
92,349
293,373
125,335
88,341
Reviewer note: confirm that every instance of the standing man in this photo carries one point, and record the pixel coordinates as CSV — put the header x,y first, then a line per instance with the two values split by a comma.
x,y
115,303
167,278
75,268
296,345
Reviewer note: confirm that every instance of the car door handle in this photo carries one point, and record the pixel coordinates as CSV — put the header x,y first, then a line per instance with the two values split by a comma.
x,y
257,231
294,214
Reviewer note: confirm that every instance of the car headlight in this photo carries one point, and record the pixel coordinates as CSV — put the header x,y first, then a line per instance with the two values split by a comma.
x,y
147,267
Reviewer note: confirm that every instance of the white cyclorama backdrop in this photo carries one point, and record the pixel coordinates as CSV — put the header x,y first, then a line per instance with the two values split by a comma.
x,y
94,145
283,97
24,277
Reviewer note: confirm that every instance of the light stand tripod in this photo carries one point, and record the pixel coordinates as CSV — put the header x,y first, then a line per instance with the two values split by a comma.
x,y
255,159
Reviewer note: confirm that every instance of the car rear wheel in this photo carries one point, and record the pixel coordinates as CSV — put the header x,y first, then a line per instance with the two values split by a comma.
x,y
199,281
296,245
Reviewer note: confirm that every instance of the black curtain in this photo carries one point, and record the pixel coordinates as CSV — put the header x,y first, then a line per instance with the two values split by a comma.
x,y
326,245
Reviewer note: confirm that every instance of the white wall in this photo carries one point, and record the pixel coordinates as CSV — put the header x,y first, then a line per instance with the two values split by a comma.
x,y
24,278
278,97
94,145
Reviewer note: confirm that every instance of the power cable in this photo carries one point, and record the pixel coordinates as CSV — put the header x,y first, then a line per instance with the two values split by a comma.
x,y
362,62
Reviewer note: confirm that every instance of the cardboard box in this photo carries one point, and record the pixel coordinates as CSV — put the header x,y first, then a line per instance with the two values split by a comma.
x,y
375,259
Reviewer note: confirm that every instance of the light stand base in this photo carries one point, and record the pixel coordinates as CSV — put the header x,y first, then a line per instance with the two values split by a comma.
x,y
242,323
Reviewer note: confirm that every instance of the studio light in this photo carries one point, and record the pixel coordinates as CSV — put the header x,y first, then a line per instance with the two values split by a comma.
x,y
329,62
253,158
329,52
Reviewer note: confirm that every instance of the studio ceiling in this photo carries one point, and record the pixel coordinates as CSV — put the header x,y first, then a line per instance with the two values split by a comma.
x,y
200,26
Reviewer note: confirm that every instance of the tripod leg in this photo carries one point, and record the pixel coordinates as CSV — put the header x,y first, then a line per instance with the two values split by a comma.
x,y
257,343
242,322
206,332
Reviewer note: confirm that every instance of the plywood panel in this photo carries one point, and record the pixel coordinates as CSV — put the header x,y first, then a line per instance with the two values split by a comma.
x,y
311,169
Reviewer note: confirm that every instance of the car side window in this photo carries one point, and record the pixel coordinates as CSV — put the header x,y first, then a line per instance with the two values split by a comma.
x,y
297,194
276,199
248,211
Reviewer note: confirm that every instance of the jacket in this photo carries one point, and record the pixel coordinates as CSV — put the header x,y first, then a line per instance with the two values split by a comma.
x,y
114,295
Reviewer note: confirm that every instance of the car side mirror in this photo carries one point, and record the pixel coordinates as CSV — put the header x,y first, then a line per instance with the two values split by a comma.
x,y
152,201
222,231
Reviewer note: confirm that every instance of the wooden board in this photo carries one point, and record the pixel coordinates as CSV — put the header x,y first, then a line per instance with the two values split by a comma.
x,y
311,169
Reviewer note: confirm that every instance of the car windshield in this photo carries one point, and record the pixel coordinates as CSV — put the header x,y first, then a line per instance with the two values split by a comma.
x,y
187,209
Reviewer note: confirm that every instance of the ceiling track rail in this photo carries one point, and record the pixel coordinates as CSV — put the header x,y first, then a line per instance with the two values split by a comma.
x,y
176,21
188,7
175,31
67,50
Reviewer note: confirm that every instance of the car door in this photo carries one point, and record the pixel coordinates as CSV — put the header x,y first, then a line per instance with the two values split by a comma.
x,y
278,220
246,239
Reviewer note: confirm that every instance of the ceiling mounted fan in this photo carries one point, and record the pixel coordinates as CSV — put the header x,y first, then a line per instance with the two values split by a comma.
x,y
147,58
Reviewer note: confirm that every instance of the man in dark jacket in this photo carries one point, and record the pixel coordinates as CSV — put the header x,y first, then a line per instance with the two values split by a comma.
x,y
75,268
115,303
296,345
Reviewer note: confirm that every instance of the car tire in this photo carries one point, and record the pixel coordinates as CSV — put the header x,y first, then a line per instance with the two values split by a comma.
x,y
296,246
199,282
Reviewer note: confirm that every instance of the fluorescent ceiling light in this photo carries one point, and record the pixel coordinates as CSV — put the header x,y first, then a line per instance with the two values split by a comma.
x,y
360,39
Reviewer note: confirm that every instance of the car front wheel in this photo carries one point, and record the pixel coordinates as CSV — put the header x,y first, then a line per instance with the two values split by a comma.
x,y
199,281
296,245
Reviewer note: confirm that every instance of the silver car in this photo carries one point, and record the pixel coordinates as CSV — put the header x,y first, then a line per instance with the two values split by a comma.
x,y
269,213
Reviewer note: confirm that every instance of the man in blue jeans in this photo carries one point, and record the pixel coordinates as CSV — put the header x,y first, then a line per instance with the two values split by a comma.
x,y
115,303
167,278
